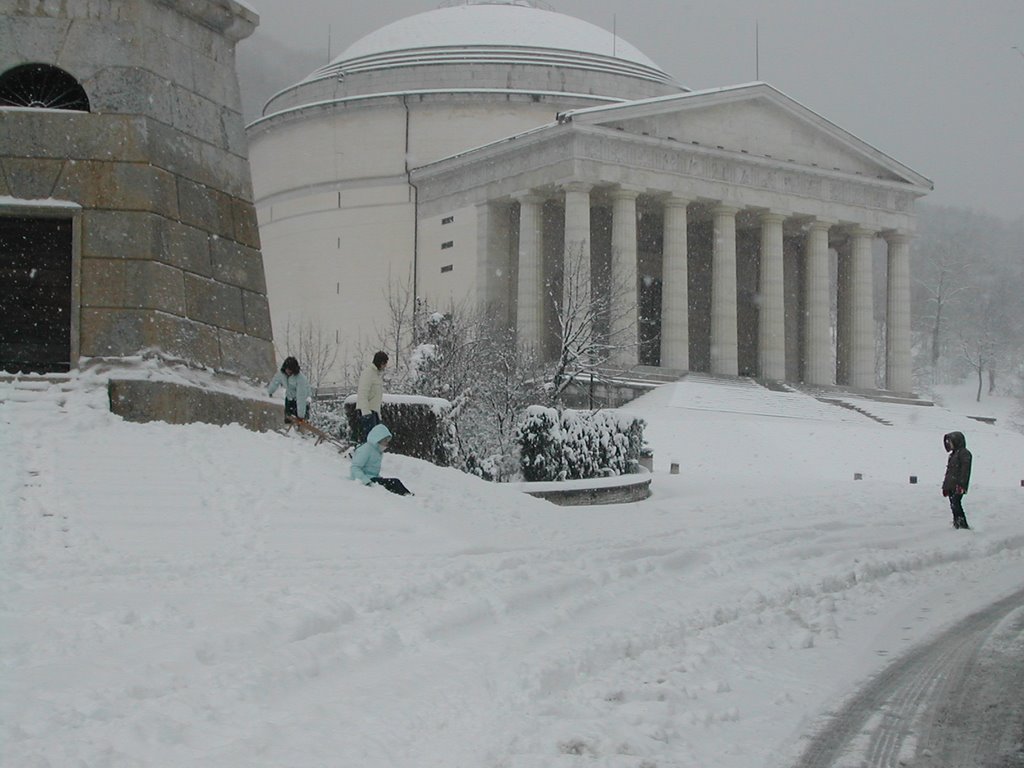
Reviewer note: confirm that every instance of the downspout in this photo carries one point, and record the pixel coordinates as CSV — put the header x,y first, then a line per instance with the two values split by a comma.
x,y
415,220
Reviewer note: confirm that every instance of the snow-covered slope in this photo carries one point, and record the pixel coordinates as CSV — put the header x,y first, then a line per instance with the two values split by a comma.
x,y
205,596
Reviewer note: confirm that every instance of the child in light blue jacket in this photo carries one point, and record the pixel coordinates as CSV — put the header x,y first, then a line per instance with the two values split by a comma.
x,y
367,459
296,389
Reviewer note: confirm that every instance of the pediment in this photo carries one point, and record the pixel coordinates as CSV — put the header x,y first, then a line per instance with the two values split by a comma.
x,y
757,120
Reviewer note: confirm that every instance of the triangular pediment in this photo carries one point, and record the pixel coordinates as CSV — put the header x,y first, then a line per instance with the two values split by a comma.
x,y
757,120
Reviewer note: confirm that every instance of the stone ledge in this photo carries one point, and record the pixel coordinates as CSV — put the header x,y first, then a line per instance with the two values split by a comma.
x,y
141,400
624,489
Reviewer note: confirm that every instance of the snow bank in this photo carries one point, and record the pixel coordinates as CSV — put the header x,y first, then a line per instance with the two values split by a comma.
x,y
200,595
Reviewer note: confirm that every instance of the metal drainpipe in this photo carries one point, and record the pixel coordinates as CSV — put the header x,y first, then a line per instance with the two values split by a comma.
x,y
415,219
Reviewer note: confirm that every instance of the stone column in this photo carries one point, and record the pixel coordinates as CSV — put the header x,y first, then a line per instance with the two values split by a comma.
x,y
675,310
493,273
818,368
897,348
576,275
862,314
843,312
530,284
624,304
771,350
724,340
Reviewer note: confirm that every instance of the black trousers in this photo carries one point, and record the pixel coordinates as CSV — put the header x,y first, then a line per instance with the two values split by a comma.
x,y
291,409
366,423
956,504
393,484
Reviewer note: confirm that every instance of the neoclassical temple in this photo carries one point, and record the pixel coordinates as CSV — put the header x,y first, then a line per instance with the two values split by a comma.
x,y
504,154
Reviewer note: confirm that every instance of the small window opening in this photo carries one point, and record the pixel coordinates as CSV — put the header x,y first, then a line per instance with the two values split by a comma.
x,y
447,244
41,86
447,268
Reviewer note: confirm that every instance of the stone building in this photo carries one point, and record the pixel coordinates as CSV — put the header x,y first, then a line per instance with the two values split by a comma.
x,y
126,219
476,148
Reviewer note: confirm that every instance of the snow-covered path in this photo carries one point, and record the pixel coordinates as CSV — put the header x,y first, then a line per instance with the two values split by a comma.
x,y
204,596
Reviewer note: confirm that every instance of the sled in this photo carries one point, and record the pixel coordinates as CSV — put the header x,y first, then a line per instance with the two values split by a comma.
x,y
303,427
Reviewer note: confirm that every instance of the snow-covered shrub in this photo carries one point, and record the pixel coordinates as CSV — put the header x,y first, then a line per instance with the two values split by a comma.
x,y
572,445
540,440
420,426
328,415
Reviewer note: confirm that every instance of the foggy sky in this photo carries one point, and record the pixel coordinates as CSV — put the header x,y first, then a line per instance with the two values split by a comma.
x,y
936,84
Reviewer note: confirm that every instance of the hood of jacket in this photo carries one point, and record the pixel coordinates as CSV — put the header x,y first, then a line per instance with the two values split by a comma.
x,y
378,433
954,441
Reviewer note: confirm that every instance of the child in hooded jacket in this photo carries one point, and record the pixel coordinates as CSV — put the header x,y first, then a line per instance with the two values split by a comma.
x,y
367,459
958,475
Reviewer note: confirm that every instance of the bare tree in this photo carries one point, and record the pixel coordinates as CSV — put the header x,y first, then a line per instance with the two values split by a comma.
x,y
595,326
943,282
970,286
398,336
315,349
471,359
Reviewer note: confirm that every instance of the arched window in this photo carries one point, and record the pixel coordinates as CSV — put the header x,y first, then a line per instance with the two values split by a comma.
x,y
43,87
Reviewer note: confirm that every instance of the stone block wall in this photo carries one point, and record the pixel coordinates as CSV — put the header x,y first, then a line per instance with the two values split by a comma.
x,y
168,252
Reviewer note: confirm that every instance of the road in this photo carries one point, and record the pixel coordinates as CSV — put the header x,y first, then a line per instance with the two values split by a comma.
x,y
954,702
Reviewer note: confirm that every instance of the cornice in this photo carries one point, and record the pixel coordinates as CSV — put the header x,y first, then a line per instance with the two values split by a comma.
x,y
589,144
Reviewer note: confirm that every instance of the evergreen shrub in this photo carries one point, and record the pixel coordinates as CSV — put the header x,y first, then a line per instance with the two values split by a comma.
x,y
420,426
575,445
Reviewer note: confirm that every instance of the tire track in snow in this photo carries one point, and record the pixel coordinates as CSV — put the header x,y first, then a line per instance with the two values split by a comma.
x,y
880,725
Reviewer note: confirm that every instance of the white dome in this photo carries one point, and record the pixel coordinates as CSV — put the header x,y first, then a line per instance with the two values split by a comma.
x,y
494,32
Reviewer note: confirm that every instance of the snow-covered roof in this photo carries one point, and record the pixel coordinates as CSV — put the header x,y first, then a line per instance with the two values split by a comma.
x,y
494,32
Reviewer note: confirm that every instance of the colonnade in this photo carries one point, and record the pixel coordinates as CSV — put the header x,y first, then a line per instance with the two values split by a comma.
x,y
846,357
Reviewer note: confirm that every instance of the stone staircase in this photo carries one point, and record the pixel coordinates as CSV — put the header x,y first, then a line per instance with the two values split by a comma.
x,y
611,387
741,395
51,390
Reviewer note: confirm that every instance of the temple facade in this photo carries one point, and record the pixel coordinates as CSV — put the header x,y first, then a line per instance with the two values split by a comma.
x,y
509,156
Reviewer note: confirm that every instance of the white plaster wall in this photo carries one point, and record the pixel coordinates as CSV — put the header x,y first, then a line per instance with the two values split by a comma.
x,y
457,286
327,148
336,216
332,267
357,143
441,129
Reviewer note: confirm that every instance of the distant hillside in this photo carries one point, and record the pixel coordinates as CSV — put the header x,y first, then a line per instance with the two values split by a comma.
x,y
265,66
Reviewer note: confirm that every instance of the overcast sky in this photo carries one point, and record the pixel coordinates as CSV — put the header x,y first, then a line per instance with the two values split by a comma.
x,y
936,84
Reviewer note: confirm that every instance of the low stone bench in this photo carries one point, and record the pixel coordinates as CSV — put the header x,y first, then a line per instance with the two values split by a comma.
x,y
621,489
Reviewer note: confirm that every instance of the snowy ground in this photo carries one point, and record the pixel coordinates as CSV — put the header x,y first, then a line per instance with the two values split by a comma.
x,y
205,596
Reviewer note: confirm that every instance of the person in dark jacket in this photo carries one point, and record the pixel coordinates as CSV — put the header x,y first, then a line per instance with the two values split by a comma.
x,y
958,475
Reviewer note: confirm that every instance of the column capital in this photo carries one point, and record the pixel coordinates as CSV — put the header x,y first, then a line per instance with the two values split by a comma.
x,y
820,224
674,201
896,237
771,216
858,230
576,186
723,209
529,196
624,193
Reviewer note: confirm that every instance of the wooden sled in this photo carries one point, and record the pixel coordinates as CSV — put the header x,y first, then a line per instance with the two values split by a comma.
x,y
305,428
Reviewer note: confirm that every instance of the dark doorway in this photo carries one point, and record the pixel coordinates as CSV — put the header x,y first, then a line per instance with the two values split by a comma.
x,y
650,320
35,295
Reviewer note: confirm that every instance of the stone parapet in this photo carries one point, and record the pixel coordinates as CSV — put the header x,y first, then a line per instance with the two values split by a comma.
x,y
625,489
141,400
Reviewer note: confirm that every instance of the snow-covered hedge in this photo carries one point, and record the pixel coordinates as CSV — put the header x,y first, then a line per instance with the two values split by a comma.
x,y
420,426
574,445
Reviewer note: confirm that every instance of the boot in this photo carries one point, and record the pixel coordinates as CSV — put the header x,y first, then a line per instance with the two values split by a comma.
x,y
956,522
961,522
